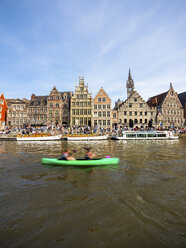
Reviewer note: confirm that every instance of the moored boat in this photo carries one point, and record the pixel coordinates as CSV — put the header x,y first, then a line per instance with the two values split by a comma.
x,y
86,137
81,162
145,135
39,138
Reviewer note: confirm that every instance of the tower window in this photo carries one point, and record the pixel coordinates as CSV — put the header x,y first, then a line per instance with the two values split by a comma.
x,y
130,105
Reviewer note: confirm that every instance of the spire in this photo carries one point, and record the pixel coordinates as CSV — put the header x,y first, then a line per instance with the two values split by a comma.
x,y
171,86
129,77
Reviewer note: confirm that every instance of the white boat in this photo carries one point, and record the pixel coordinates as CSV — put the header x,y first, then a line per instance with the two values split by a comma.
x,y
39,138
86,138
145,135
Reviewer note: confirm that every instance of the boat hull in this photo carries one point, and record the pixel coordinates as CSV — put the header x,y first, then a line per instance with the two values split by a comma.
x,y
44,138
87,138
91,162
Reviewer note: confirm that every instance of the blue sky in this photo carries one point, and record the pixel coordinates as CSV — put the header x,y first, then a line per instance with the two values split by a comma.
x,y
45,43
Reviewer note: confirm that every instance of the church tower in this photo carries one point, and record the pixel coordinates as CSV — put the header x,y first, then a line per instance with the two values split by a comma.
x,y
129,84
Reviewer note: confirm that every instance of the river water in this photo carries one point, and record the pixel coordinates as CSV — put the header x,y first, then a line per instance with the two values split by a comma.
x,y
139,203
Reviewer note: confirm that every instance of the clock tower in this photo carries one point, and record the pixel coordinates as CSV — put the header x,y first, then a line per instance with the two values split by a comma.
x,y
129,85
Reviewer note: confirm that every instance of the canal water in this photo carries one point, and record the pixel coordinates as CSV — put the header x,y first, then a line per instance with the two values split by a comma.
x,y
139,203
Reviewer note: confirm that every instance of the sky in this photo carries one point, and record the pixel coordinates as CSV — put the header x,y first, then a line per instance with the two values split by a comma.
x,y
51,43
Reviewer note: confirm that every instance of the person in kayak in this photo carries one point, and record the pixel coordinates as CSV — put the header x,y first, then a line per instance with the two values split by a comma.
x,y
89,154
65,155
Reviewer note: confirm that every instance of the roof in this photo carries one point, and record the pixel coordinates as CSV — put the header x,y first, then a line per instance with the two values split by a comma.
x,y
156,101
38,99
182,98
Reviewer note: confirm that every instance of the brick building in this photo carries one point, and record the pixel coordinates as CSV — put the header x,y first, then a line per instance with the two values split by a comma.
x,y
37,110
102,111
182,98
134,111
169,110
58,107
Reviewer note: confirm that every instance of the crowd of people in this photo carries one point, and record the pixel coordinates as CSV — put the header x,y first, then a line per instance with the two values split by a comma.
x,y
55,130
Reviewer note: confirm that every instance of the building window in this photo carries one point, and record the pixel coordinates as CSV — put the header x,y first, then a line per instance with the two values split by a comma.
x,y
151,113
141,105
81,104
95,106
104,122
145,113
85,96
99,114
0,108
108,106
145,120
77,103
77,111
95,114
135,99
89,111
104,113
136,113
140,120
81,111
108,114
85,104
99,122
89,103
104,106
108,122
85,111
95,122
104,99
130,113
77,96
99,99
130,105
125,112
114,115
1,102
125,120
135,121
57,105
99,106
81,121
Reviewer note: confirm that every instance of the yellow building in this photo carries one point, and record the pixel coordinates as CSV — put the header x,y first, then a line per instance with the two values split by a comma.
x,y
81,106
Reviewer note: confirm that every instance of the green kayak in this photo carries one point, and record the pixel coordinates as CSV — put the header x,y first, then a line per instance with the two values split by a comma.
x,y
80,162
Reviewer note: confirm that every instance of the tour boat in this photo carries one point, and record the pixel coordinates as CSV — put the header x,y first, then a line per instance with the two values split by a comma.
x,y
86,137
81,162
145,135
39,138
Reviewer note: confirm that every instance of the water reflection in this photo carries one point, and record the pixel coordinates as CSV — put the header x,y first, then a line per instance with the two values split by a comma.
x,y
139,203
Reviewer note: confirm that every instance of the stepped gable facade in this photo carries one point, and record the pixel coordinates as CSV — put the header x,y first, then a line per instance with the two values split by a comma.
x,y
17,113
81,106
134,111
182,98
169,110
37,110
58,107
102,111
3,111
